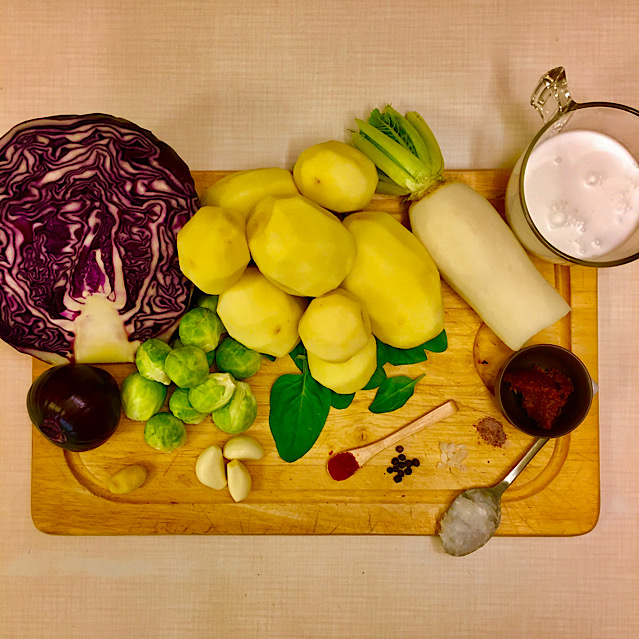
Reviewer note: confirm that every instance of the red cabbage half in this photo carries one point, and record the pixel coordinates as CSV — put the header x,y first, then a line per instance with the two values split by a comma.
x,y
90,207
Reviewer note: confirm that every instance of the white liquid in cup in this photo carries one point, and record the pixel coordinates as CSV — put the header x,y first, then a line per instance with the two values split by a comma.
x,y
582,192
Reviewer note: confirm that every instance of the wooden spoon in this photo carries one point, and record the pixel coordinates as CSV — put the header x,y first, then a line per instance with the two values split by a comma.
x,y
343,465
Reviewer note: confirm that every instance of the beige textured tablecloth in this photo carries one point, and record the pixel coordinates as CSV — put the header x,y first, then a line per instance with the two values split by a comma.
x,y
237,84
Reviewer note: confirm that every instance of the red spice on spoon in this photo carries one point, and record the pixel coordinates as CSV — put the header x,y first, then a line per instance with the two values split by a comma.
x,y
342,466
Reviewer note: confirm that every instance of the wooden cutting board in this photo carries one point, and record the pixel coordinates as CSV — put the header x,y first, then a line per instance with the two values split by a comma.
x,y
557,494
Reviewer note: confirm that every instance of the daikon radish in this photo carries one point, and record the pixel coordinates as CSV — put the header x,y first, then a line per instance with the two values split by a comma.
x,y
480,258
474,249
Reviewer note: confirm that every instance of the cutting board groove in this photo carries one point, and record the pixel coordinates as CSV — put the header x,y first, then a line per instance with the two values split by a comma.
x,y
557,494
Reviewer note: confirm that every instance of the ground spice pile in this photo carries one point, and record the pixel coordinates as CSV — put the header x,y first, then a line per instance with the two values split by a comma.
x,y
491,431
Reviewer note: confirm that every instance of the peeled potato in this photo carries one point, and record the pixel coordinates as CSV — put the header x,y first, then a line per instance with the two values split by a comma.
x,y
396,280
212,248
242,190
349,376
300,246
260,315
336,175
335,326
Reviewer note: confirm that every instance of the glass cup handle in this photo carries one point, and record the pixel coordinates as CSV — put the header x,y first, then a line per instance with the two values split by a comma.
x,y
551,96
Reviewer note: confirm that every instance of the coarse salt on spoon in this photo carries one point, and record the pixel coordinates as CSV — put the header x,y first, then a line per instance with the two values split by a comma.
x,y
344,464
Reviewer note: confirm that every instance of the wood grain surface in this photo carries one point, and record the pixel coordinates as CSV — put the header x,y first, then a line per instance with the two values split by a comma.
x,y
557,494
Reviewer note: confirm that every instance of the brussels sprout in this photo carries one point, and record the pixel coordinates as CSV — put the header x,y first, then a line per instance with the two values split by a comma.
x,y
165,432
141,397
238,414
213,393
150,358
181,407
201,327
235,358
208,301
210,355
186,366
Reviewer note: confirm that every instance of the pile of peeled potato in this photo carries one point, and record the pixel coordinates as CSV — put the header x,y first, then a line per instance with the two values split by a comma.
x,y
270,243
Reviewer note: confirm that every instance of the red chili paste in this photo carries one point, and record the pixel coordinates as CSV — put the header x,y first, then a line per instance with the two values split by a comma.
x,y
543,393
342,466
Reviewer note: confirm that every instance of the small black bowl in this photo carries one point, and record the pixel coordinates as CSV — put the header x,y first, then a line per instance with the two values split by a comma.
x,y
546,356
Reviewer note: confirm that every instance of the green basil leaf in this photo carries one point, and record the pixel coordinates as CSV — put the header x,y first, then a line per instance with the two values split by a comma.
x,y
340,401
299,406
376,378
381,353
401,356
438,344
393,393
299,357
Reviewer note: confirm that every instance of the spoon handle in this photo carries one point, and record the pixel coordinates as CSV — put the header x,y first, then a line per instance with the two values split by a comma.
x,y
363,454
512,475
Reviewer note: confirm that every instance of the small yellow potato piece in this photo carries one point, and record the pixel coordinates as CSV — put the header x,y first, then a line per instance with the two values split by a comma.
x,y
300,246
242,190
336,175
243,447
127,479
212,248
335,326
260,315
239,480
209,468
349,376
396,280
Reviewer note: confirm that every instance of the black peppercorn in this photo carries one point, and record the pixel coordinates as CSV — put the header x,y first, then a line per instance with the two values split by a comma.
x,y
397,479
399,449
401,457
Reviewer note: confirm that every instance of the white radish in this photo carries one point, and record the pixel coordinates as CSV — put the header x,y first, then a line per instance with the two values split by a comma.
x,y
480,258
474,249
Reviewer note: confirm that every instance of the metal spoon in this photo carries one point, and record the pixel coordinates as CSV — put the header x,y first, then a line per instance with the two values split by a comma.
x,y
473,518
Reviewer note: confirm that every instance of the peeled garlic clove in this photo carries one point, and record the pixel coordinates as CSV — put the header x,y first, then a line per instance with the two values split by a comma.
x,y
239,480
243,447
127,479
209,468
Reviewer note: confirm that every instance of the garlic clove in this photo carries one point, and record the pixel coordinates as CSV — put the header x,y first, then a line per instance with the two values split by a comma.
x,y
239,480
127,479
209,468
243,447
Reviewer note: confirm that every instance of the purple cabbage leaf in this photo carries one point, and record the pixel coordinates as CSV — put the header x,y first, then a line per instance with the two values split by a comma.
x,y
90,207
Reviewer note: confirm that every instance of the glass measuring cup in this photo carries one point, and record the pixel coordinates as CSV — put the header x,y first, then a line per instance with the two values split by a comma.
x,y
573,196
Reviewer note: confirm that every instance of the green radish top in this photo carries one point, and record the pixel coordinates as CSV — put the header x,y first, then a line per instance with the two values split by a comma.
x,y
404,149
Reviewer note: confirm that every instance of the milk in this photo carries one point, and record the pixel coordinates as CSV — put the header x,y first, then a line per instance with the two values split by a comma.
x,y
582,192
